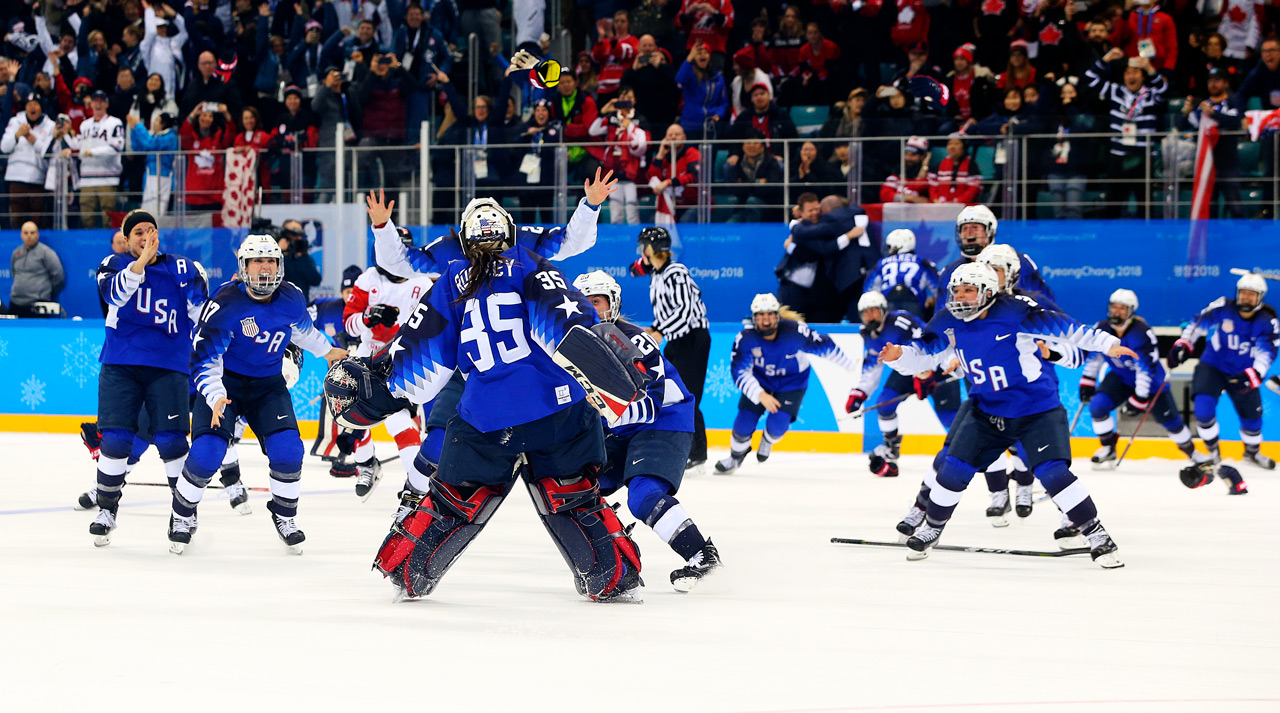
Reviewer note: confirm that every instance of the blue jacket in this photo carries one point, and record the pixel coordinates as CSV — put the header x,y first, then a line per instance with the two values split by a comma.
x,y
144,141
701,98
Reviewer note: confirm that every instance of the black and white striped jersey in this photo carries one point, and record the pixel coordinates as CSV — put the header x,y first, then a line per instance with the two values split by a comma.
x,y
677,301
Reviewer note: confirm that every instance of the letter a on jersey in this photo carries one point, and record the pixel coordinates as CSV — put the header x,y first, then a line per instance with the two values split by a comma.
x,y
249,327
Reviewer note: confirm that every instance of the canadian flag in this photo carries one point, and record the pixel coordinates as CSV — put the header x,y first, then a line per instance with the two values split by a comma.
x,y
239,189
1206,173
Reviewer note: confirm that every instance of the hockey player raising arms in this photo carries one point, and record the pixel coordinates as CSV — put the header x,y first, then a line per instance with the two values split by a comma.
x,y
1239,348
236,355
524,339
1014,394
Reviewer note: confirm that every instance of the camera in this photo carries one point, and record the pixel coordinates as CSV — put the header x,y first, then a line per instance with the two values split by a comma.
x,y
211,107
624,104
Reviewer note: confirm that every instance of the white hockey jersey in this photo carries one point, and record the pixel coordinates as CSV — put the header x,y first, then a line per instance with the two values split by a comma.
x,y
375,288
100,143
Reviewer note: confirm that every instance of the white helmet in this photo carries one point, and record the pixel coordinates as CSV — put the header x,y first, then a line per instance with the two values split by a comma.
x,y
256,246
1122,297
600,283
976,275
765,302
900,241
1006,258
485,221
1251,281
872,300
981,215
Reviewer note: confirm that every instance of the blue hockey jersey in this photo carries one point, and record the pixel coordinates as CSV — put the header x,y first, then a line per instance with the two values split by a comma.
x,y
552,243
150,316
501,340
327,316
998,354
1145,374
243,336
1233,343
908,270
781,364
899,328
1029,277
667,405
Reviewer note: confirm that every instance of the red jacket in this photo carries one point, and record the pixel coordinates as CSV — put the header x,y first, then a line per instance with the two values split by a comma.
x,y
682,172
205,172
911,23
955,184
259,141
615,57
578,120
1156,25
710,27
817,63
893,186
624,151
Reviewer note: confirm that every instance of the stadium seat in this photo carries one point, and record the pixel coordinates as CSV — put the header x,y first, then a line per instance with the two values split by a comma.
x,y
888,70
1250,158
1254,104
721,156
985,157
936,154
809,119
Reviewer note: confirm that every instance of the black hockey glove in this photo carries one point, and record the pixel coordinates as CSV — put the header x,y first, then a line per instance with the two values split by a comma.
x,y
381,315
1180,352
1135,406
1088,387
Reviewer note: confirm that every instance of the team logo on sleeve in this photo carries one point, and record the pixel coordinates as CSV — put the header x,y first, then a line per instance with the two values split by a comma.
x,y
1227,326
249,328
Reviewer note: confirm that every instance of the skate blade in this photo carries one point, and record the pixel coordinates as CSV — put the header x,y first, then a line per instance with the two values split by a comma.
x,y
1073,543
913,556
294,549
998,520
1024,513
243,509
402,595
1109,561
631,596
1105,465
902,539
1261,466
177,548
82,508
686,584
101,540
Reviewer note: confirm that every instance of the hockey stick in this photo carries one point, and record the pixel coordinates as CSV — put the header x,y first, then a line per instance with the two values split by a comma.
x,y
1076,420
1141,421
958,548
207,487
953,377
1242,271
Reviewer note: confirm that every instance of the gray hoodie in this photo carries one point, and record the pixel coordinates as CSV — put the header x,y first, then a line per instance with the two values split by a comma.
x,y
37,275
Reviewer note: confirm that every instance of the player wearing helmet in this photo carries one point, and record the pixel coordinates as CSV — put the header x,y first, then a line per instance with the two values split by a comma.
x,y
976,228
907,281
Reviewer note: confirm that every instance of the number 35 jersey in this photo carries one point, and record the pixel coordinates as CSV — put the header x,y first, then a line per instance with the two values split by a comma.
x,y
150,316
501,340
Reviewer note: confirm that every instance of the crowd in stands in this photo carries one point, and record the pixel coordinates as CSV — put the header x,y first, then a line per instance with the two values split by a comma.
x,y
113,85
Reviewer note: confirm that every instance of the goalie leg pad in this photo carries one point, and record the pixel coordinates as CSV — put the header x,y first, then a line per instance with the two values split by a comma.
x,y
606,365
604,560
422,547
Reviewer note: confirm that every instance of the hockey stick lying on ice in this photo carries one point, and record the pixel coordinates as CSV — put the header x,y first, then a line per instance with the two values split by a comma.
x,y
1150,405
955,376
382,461
958,548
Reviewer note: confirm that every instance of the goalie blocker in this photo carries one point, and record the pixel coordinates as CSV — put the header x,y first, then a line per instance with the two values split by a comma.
x,y
606,365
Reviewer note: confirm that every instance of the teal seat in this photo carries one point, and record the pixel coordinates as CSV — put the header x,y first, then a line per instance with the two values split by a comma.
x,y
1254,104
985,157
936,154
1250,158
809,119
721,157
888,71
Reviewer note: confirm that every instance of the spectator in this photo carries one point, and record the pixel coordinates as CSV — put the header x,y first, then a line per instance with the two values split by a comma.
x,y
1070,160
707,22
1263,82
1019,72
654,80
156,100
1010,118
73,103
299,267
538,165
161,51
207,87
911,24
482,127
61,165
584,71
839,162
252,138
44,88
444,18
706,102
131,56
482,18
295,130
125,94
162,141
1135,105
808,168
971,88
1221,108
758,177
383,95
788,40
95,61
809,81
64,47
799,270
1148,33
118,243
1053,27
616,50
656,18
26,138
766,117
307,60
37,273
746,75
957,179
760,47
363,42
337,108
917,64
837,239
845,119
626,144
673,175
1097,44
913,185
577,111
205,138
422,49
272,74
994,24
1240,27
100,142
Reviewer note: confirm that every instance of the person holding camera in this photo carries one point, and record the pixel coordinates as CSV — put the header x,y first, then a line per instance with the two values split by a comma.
x,y
299,267
625,146
206,133
1134,106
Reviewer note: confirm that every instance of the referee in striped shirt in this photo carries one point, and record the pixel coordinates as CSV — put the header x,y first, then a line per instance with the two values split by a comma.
x,y
679,317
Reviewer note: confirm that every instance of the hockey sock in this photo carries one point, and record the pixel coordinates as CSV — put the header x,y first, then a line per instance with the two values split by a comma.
x,y
1180,434
649,500
1021,475
230,473
1107,438
408,438
889,426
364,447
1068,493
117,444
739,444
140,447
769,438
172,446
998,473
1104,426
420,477
284,455
1208,432
744,424
1100,408
945,494
202,462
1252,437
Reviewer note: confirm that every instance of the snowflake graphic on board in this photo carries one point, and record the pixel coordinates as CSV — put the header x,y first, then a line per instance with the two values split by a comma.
x,y
4,349
80,360
720,382
33,392
305,404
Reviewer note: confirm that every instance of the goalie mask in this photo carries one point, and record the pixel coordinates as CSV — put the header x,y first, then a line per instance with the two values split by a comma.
x,y
486,223
357,396
1252,282
1003,259
1127,302
600,284
979,277
260,246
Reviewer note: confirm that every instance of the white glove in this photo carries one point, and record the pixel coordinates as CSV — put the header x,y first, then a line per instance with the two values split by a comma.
x,y
524,60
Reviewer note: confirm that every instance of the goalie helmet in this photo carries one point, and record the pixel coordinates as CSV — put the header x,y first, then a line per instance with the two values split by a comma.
x,y
357,396
981,215
486,222
765,302
546,75
976,275
1126,298
599,283
255,246
1007,259
900,241
1253,282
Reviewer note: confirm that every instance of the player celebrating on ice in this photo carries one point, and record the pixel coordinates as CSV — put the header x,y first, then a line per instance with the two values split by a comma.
x,y
770,365
908,281
532,350
1241,337
879,327
976,229
1014,394
1130,384
152,301
236,356
649,445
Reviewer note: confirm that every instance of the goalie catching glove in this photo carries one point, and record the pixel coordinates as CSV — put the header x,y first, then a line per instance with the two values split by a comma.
x,y
606,365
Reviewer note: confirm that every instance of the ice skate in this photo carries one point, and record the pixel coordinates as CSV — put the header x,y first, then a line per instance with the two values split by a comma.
x,y
410,499
1101,547
370,472
181,530
732,463
1104,458
1069,537
239,497
703,563
764,451
908,526
102,526
890,450
88,499
920,543
695,466
999,508
1023,502
288,531
1254,457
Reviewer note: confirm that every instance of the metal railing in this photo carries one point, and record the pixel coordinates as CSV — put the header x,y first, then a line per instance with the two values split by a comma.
x,y
1021,179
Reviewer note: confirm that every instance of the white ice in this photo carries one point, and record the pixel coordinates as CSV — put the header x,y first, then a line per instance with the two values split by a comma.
x,y
794,624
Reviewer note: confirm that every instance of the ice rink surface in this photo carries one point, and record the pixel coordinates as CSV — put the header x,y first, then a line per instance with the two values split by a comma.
x,y
793,623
